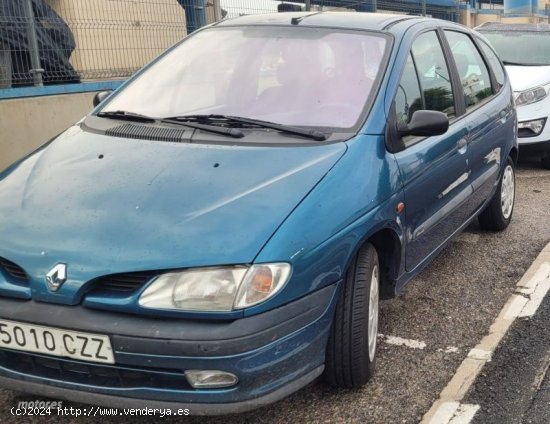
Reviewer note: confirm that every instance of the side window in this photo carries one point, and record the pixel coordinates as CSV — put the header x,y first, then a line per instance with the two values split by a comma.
x,y
493,62
433,74
408,98
471,68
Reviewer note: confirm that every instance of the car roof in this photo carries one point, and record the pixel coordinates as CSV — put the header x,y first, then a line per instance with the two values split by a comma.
x,y
500,27
351,20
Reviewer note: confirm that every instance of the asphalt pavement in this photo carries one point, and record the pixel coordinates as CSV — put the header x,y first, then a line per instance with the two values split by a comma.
x,y
425,333
514,387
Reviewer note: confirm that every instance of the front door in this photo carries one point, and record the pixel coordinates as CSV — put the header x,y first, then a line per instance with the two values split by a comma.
x,y
434,170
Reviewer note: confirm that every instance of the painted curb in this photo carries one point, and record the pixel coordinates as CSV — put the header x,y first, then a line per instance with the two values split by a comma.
x,y
445,408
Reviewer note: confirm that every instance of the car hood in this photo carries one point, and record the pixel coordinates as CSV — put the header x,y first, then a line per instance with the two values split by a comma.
x,y
526,77
107,205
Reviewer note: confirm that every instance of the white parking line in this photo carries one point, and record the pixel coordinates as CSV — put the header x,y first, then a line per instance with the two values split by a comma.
x,y
454,413
449,349
445,412
530,291
538,293
464,414
480,355
516,304
399,341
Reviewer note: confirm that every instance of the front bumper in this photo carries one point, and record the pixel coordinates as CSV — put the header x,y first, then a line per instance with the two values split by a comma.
x,y
57,392
535,147
533,112
273,354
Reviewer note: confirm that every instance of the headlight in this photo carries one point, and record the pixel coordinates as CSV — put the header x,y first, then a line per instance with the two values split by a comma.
x,y
215,289
532,96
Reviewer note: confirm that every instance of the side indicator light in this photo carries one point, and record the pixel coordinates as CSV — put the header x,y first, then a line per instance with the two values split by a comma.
x,y
400,207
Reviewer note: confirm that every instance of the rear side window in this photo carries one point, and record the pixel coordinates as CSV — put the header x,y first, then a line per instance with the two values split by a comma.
x,y
433,74
493,62
473,73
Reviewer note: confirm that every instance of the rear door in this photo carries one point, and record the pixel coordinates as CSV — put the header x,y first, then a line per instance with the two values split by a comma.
x,y
484,113
434,169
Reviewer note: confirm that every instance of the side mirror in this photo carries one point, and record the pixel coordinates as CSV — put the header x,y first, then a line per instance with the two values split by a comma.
x,y
99,97
426,123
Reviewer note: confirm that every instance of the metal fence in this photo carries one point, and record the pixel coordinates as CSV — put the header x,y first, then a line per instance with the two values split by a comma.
x,y
64,41
68,41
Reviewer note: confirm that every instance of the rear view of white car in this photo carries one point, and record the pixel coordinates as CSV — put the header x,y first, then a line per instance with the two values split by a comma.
x,y
525,51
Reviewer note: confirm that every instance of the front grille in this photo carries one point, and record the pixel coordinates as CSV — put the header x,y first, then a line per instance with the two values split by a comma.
x,y
13,270
78,372
125,283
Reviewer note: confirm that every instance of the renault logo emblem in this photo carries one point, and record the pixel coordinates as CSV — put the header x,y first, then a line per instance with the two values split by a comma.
x,y
56,277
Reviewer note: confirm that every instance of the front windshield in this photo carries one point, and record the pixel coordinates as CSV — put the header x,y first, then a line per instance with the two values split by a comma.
x,y
527,48
288,75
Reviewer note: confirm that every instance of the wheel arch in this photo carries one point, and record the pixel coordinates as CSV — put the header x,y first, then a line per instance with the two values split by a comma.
x,y
388,246
514,153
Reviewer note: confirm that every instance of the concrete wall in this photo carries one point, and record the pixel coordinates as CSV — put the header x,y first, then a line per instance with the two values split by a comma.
x,y
27,123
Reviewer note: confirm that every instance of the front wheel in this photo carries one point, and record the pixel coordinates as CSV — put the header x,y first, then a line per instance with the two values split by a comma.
x,y
546,160
498,213
351,349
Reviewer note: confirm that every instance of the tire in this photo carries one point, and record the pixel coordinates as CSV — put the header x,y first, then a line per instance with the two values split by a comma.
x,y
546,160
498,214
351,348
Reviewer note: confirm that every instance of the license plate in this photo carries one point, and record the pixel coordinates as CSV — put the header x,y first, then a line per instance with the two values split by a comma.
x,y
55,341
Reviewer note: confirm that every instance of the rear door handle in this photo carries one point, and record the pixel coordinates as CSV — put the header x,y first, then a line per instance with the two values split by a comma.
x,y
461,144
503,115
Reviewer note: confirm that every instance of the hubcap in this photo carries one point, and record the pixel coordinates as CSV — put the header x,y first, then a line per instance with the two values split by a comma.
x,y
507,192
373,312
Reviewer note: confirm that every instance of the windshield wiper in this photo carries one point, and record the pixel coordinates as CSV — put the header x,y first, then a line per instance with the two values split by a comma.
x,y
131,116
125,115
225,119
507,62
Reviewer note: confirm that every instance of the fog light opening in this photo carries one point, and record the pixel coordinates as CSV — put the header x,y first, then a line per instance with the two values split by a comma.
x,y
531,128
210,379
